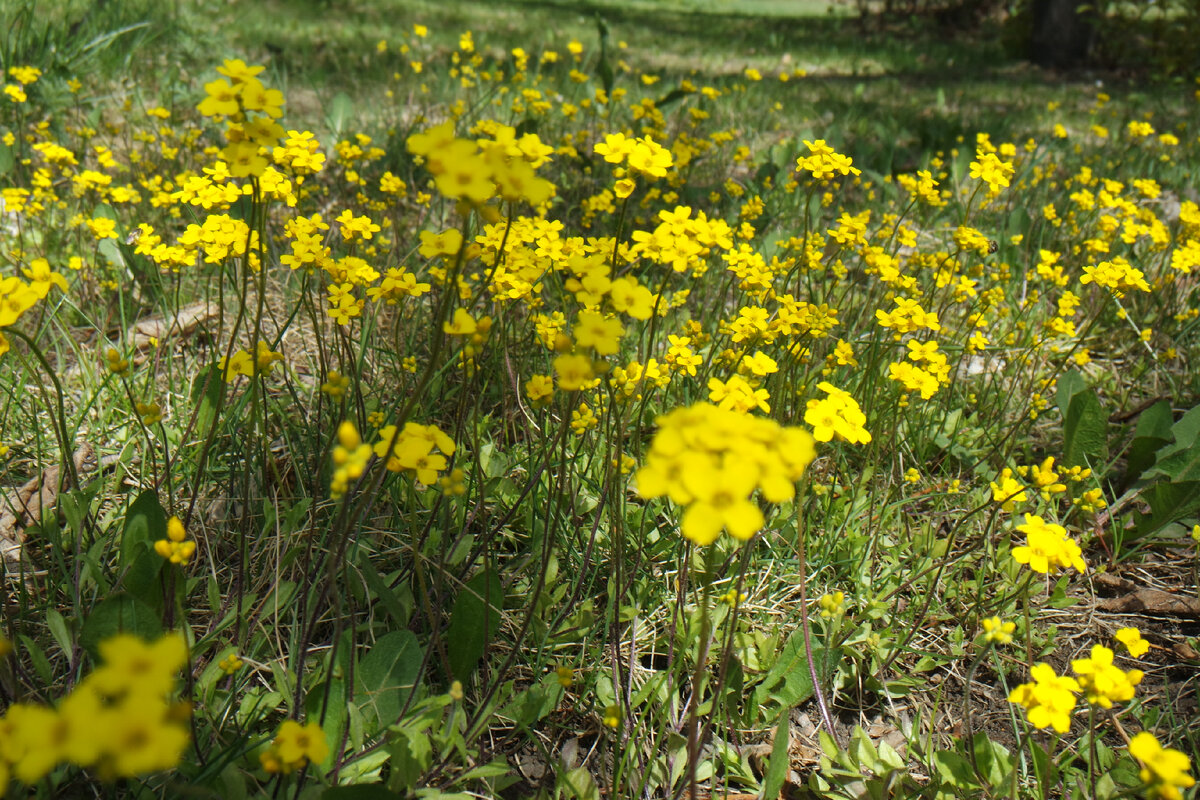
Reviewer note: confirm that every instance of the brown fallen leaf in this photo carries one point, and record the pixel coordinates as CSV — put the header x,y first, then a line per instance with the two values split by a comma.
x,y
1185,651
1152,601
23,506
186,320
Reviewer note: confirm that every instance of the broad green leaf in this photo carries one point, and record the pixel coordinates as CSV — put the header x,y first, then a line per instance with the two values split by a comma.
x,y
120,613
145,523
387,675
993,761
1070,384
1085,430
578,783
1153,432
789,681
474,620
341,111
1169,502
954,769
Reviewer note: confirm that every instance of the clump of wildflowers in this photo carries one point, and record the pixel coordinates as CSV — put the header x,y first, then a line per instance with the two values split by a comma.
x,y
1008,491
350,459
1117,275
249,109
418,450
823,162
463,170
991,170
712,460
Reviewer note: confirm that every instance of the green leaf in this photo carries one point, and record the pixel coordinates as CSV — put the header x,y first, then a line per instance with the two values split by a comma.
x,y
60,632
954,769
398,611
603,69
789,681
121,613
7,162
578,783
145,523
1153,432
411,753
387,675
1177,465
492,769
993,761
779,760
474,620
1085,430
673,96
363,791
1185,432
207,388
341,111
1070,384
1169,502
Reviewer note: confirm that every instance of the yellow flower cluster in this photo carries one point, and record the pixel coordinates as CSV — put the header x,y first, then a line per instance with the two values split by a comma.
x,y
16,297
838,415
712,460
176,548
1164,769
119,720
1048,700
241,363
294,746
1118,275
417,450
1048,548
476,171
823,162
250,110
1103,683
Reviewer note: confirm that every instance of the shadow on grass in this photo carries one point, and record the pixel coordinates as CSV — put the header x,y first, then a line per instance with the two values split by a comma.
x,y
896,93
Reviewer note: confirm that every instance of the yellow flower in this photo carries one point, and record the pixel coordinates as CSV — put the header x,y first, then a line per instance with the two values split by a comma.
x,y
832,604
712,460
1103,683
1164,770
1048,548
998,631
1048,700
1008,492
294,746
176,548
1133,641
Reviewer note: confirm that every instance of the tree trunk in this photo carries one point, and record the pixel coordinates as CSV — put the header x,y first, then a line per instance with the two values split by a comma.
x,y
1062,35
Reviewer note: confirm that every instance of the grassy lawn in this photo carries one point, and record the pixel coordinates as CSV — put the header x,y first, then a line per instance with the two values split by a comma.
x,y
543,399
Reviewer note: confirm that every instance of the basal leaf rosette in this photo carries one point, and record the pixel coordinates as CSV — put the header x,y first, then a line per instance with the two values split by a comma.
x,y
712,460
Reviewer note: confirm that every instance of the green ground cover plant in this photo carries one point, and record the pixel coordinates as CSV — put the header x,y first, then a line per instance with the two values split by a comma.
x,y
393,406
